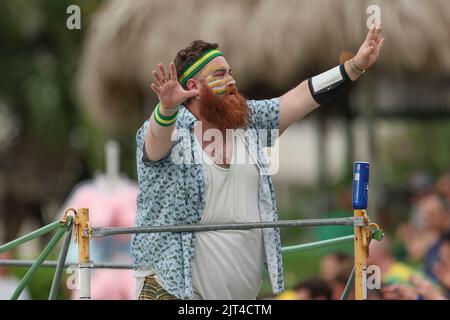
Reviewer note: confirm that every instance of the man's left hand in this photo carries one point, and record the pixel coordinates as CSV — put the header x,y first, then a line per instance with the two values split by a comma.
x,y
370,49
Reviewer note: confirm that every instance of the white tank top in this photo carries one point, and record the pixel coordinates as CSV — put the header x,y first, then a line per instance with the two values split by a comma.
x,y
227,264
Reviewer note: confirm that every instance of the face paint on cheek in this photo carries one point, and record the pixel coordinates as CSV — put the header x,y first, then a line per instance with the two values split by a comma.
x,y
218,84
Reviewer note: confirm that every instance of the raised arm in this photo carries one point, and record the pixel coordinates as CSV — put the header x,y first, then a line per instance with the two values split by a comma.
x,y
311,93
162,121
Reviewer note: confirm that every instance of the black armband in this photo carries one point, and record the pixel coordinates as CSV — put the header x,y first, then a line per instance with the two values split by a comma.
x,y
329,84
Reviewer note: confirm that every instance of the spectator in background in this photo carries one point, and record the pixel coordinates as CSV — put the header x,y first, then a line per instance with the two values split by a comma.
x,y
422,243
399,281
443,186
420,185
435,213
332,264
412,234
313,289
441,268
309,289
392,271
416,289
9,283
339,282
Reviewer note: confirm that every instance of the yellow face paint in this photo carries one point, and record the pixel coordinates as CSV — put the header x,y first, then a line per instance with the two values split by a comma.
x,y
217,74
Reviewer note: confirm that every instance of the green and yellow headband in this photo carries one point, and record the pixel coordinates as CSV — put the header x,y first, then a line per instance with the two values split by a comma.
x,y
193,68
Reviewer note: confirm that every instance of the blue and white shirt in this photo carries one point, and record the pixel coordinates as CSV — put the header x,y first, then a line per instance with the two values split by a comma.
x,y
171,192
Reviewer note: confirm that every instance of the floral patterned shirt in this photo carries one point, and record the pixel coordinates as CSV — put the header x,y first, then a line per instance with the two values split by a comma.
x,y
171,192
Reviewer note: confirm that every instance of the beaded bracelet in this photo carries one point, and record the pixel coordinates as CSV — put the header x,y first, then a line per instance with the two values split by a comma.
x,y
356,68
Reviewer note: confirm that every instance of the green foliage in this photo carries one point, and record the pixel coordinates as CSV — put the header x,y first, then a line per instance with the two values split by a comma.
x,y
41,282
39,65
423,146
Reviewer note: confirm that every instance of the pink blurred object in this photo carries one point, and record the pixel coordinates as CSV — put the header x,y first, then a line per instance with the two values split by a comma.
x,y
110,205
111,200
111,284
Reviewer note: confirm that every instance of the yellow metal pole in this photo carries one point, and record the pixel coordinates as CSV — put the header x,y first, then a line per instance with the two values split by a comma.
x,y
83,235
360,245
84,263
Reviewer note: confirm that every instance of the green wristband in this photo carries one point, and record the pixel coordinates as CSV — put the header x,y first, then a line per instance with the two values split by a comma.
x,y
163,117
162,120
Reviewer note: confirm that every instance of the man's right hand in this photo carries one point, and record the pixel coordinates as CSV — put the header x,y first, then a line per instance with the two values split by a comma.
x,y
170,92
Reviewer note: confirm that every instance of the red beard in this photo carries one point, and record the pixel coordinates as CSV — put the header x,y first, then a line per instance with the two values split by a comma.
x,y
226,111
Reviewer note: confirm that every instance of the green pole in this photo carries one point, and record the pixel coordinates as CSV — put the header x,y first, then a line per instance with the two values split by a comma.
x,y
30,236
317,244
349,285
38,262
61,260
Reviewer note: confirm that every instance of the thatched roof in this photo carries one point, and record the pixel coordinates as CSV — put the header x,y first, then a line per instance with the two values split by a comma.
x,y
277,43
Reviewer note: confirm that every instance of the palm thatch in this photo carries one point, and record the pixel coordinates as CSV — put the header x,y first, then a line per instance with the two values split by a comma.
x,y
270,42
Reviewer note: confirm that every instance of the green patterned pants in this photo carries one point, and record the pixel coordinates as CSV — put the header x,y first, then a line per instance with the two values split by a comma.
x,y
151,290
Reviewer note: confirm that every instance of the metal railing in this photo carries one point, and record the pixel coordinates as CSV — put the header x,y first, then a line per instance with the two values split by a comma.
x,y
62,227
84,233
65,226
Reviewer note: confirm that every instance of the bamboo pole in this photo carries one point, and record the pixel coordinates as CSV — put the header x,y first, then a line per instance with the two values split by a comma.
x,y
84,263
360,261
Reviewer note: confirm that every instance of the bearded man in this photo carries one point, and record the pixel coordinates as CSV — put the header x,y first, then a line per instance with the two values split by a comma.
x,y
200,104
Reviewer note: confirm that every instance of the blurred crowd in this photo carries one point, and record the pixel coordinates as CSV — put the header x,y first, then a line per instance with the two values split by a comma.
x,y
413,260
